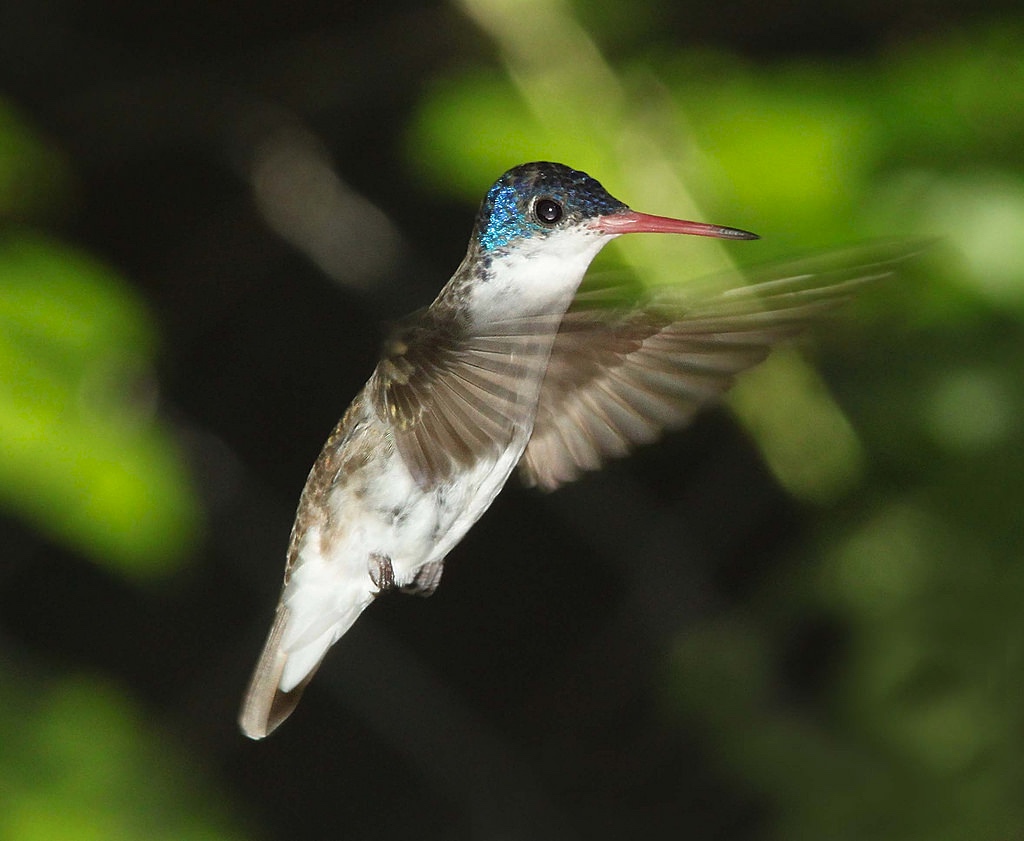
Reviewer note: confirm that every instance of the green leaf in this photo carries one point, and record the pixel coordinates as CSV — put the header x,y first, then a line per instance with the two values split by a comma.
x,y
86,458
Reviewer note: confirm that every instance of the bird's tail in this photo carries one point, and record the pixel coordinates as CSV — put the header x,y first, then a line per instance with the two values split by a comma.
x,y
312,615
265,704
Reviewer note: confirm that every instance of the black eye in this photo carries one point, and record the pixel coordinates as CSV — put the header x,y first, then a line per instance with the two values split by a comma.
x,y
547,211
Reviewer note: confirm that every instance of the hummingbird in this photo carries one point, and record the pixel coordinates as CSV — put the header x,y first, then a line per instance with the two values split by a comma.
x,y
508,368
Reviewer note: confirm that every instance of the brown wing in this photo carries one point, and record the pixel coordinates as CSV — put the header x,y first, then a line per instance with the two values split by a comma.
x,y
617,377
453,395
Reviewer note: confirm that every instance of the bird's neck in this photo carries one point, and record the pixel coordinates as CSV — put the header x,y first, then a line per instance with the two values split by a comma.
x,y
523,283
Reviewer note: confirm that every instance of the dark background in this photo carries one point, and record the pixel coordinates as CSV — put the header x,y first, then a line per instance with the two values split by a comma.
x,y
654,651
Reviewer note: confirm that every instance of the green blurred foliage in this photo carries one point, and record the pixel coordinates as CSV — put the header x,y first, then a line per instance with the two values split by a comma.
x,y
33,176
918,554
80,763
85,458
87,461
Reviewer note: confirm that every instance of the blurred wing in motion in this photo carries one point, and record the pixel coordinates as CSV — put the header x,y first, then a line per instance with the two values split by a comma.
x,y
620,374
453,395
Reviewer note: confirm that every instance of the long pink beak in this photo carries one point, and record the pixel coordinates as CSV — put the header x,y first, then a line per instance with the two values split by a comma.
x,y
631,222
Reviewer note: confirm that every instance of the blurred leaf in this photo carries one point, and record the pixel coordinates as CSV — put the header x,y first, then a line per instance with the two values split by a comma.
x,y
32,175
85,458
482,106
79,764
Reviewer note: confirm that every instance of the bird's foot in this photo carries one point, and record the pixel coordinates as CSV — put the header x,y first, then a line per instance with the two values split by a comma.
x,y
382,573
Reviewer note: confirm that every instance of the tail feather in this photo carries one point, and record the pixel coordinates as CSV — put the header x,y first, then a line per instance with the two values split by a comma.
x,y
265,705
320,602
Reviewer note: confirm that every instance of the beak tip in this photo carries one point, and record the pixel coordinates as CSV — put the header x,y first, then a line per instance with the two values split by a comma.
x,y
737,233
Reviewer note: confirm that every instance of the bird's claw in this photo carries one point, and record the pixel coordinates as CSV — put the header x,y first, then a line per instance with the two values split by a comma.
x,y
382,573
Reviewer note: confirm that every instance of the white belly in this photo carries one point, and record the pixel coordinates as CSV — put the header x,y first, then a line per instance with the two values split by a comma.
x,y
390,516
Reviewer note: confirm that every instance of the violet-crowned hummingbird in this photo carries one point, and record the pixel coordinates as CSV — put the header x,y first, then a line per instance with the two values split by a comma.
x,y
505,370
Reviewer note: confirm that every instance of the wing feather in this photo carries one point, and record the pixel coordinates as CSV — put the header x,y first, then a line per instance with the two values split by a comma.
x,y
620,373
454,395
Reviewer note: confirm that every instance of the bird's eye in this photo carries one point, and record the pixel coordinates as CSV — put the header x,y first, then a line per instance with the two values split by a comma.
x,y
547,211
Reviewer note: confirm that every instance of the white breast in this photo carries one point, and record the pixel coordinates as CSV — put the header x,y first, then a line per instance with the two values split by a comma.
x,y
537,278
